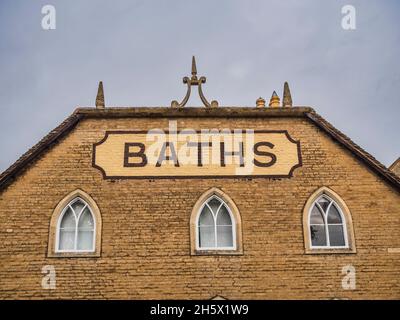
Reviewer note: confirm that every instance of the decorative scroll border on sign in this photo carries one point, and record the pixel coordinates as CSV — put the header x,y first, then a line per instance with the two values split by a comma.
x,y
269,176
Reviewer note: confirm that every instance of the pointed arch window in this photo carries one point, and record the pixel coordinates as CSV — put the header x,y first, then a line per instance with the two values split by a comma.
x,y
327,223
215,225
76,228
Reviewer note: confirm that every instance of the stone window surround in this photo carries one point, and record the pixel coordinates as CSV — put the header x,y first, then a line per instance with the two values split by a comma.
x,y
351,247
193,224
52,252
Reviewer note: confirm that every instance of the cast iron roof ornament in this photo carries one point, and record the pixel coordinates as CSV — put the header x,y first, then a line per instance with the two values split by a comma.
x,y
194,81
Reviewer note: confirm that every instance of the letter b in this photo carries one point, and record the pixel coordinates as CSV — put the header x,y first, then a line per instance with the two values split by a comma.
x,y
140,154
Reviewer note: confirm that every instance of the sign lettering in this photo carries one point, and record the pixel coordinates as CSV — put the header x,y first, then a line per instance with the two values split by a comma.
x,y
201,154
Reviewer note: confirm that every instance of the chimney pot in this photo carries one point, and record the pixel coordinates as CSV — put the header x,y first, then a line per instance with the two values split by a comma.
x,y
274,101
260,102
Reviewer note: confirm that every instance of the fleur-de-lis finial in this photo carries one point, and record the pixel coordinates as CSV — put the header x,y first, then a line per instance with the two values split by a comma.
x,y
194,81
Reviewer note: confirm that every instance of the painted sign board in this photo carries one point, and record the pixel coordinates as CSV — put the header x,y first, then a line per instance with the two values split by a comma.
x,y
196,154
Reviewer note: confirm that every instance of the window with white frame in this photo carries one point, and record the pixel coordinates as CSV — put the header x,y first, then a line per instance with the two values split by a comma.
x,y
76,228
327,224
215,226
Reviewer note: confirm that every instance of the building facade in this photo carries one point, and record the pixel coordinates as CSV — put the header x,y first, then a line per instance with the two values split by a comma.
x,y
87,214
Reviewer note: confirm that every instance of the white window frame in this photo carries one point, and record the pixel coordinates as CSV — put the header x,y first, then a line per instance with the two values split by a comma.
x,y
344,224
69,206
215,225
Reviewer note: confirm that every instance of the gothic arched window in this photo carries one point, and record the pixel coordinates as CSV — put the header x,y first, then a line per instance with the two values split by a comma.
x,y
215,225
327,223
76,228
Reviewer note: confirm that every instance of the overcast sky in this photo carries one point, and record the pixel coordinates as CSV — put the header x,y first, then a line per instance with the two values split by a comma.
x,y
246,49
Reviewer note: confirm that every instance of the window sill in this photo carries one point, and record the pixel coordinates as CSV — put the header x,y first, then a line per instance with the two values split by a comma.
x,y
73,255
217,253
331,251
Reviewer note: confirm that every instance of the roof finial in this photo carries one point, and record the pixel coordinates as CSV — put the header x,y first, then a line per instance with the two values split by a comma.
x,y
275,101
194,81
194,68
100,104
260,102
287,97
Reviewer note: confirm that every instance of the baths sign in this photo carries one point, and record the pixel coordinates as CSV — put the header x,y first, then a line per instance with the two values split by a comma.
x,y
187,153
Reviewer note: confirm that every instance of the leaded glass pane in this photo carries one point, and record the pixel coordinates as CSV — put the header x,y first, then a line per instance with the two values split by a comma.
x,y
224,236
207,236
68,220
85,240
206,217
334,215
86,220
324,203
318,235
214,204
336,235
316,216
77,206
67,240
223,217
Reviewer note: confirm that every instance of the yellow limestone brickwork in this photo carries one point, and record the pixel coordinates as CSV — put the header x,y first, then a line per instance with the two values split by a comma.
x,y
145,252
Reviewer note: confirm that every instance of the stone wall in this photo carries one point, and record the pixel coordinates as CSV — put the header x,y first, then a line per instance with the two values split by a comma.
x,y
145,252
